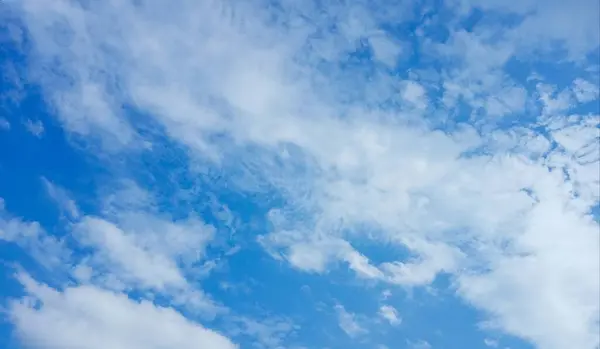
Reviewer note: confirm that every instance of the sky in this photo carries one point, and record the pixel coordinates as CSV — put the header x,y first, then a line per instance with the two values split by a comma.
x,y
301,174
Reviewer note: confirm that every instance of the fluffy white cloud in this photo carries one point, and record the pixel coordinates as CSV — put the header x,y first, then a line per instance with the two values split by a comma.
x,y
516,292
119,253
390,314
87,317
348,322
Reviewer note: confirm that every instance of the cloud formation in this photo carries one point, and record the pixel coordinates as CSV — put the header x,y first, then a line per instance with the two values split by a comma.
x,y
90,318
449,142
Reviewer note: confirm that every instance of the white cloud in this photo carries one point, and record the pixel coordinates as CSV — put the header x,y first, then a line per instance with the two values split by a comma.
x,y
585,91
348,322
36,128
122,256
554,102
270,333
49,251
490,342
515,292
62,199
87,317
316,255
435,259
146,253
390,314
241,94
414,94
385,49
547,24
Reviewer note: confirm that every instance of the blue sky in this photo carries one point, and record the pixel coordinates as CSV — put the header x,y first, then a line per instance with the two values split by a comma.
x,y
299,174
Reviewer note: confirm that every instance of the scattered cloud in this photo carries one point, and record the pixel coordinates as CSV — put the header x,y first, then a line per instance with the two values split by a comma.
x,y
36,128
461,136
91,318
49,251
414,94
390,314
348,322
385,49
63,200
492,343
585,91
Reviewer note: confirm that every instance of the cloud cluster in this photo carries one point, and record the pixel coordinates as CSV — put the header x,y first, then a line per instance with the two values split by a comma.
x,y
480,173
90,318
